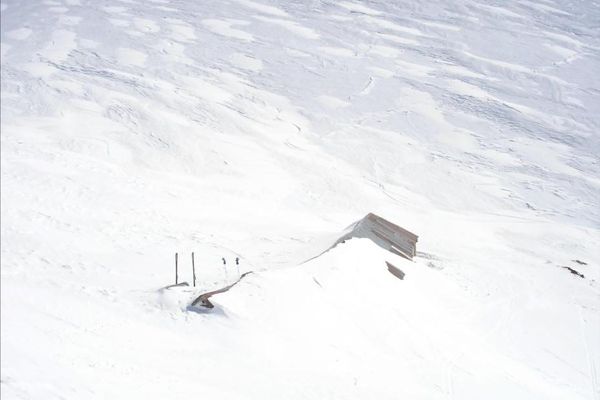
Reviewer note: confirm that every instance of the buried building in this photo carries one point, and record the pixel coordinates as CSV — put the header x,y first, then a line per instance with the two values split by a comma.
x,y
385,234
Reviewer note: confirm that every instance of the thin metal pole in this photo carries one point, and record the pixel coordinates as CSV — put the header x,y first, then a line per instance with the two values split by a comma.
x,y
176,277
193,269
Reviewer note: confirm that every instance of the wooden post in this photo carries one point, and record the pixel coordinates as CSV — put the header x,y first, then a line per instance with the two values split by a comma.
x,y
193,269
225,268
176,277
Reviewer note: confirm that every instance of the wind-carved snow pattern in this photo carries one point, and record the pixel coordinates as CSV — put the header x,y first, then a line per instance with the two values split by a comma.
x,y
258,130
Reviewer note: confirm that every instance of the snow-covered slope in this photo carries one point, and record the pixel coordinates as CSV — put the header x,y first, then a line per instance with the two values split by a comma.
x,y
132,130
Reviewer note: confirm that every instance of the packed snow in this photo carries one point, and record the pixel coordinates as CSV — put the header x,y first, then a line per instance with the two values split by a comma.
x,y
132,130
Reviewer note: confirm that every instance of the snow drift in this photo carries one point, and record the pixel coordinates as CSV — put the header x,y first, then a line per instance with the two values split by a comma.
x,y
131,130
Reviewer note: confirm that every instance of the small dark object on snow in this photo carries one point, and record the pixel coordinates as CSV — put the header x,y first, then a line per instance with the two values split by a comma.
x,y
574,272
237,261
580,262
224,262
397,272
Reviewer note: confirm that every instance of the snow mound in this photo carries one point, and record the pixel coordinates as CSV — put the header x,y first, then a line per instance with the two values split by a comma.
x,y
344,318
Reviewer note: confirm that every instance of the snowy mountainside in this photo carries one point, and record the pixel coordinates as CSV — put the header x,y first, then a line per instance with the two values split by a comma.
x,y
132,130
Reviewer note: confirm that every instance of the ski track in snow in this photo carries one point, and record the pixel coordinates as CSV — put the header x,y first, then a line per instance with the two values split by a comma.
x,y
133,130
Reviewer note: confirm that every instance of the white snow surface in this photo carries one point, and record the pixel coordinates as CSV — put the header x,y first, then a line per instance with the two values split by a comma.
x,y
259,129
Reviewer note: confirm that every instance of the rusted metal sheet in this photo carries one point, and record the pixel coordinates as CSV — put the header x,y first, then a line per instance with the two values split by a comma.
x,y
397,272
385,234
203,299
